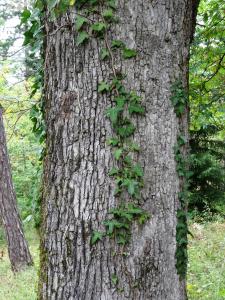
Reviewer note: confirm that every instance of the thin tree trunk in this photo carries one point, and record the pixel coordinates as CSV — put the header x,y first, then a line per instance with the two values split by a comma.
x,y
78,192
19,254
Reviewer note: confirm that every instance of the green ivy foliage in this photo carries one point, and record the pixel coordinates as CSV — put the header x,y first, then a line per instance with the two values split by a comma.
x,y
127,174
179,101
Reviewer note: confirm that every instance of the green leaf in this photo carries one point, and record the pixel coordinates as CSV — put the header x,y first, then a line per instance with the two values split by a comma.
x,y
111,3
114,171
108,14
122,239
117,191
113,113
120,101
97,236
181,140
129,53
104,53
80,21
143,218
131,186
117,44
82,37
134,98
128,160
135,210
126,130
113,141
103,87
98,27
114,279
138,171
112,224
25,15
118,153
136,108
134,147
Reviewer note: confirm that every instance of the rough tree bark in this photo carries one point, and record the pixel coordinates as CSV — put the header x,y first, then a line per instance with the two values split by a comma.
x,y
77,190
18,250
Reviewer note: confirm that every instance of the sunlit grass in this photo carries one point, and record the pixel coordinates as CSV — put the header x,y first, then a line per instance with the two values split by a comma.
x,y
206,273
23,285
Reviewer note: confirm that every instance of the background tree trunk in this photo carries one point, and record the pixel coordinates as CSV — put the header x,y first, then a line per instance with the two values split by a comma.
x,y
19,254
78,193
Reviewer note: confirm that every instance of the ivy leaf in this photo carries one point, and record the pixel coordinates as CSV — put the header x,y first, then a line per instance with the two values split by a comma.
x,y
25,15
117,191
82,37
136,108
98,27
134,210
126,130
134,147
80,21
114,171
108,14
104,53
131,186
112,4
112,224
118,44
113,141
128,160
143,218
129,53
103,87
113,113
118,153
72,2
120,101
181,140
97,236
114,279
122,239
138,171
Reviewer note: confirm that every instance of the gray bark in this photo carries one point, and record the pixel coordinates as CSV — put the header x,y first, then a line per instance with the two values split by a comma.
x,y
78,193
18,250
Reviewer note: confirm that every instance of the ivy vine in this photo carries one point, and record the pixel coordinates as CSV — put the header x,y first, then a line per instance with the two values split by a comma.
x,y
127,174
93,20
179,100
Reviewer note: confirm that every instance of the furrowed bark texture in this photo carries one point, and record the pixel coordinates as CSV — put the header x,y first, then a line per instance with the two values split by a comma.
x,y
78,193
19,254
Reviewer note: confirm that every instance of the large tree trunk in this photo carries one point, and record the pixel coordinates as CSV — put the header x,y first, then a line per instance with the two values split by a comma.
x,y
78,192
19,254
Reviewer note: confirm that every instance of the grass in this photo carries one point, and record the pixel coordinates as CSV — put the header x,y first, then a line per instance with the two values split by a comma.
x,y
206,272
21,286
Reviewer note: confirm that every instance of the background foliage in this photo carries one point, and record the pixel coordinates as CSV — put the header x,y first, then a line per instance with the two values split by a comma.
x,y
207,77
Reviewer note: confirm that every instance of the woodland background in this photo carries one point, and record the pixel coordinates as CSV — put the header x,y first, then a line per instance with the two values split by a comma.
x,y
206,276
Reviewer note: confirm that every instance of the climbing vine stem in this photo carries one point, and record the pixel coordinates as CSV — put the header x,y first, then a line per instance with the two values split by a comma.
x,y
179,100
127,174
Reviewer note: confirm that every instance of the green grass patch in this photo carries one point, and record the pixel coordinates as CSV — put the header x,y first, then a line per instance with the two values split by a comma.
x,y
23,285
206,271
